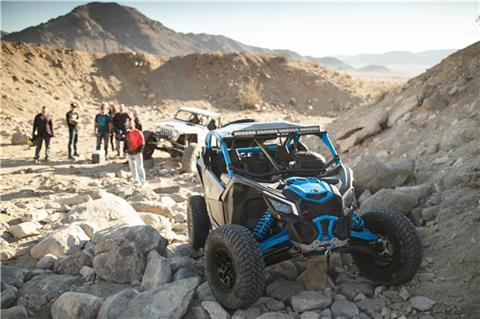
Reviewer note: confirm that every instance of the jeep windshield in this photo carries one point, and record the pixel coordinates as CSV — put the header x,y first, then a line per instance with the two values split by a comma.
x,y
189,117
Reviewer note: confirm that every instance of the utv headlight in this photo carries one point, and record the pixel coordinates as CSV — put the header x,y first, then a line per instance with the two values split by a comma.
x,y
174,134
281,206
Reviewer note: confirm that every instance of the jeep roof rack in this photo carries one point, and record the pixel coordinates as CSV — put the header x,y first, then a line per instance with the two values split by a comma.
x,y
267,129
199,111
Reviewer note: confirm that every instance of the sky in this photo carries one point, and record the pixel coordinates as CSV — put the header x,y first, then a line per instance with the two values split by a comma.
x,y
309,28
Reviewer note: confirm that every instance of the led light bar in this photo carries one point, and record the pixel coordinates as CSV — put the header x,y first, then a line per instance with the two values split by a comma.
x,y
303,129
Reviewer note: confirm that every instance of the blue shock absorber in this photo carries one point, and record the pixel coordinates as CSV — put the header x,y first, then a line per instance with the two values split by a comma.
x,y
357,221
263,225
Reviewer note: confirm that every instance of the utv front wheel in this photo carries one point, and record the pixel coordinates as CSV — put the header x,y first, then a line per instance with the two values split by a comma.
x,y
398,255
198,221
234,266
189,158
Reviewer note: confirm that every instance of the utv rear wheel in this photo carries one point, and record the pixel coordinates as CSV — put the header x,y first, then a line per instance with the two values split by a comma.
x,y
234,266
399,253
189,159
198,221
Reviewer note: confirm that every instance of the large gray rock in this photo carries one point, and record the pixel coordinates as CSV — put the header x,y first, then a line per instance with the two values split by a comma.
x,y
118,261
19,138
309,300
7,251
37,215
372,174
371,306
284,269
17,312
73,263
283,289
169,301
75,200
157,271
107,211
344,308
358,137
390,199
313,278
65,241
275,315
76,305
460,133
14,276
144,237
421,303
215,310
120,253
352,288
38,294
162,207
25,229
8,295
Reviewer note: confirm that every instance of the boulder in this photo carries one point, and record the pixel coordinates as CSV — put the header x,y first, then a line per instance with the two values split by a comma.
x,y
14,276
8,295
418,191
460,133
73,263
358,137
435,101
38,294
313,278
215,310
17,312
19,138
371,306
351,289
102,289
144,237
309,300
87,273
283,289
421,303
157,271
6,250
168,301
373,175
25,229
163,208
405,107
46,262
118,261
430,213
275,315
107,211
35,216
285,269
204,292
76,305
390,199
156,221
67,240
344,308
196,311
75,200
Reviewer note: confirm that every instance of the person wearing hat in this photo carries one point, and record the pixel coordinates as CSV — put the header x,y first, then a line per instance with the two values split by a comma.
x,y
72,124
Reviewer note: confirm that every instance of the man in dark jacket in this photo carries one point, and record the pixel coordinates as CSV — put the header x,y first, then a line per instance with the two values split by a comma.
x,y
120,120
42,132
72,124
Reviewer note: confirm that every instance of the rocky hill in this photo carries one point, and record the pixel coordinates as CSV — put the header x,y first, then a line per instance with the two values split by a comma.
x,y
434,121
33,75
110,27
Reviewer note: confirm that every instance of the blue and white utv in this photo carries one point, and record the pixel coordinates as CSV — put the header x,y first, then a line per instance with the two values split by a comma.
x,y
269,199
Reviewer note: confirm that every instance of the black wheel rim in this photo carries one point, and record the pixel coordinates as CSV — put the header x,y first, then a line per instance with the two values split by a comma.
x,y
224,266
384,249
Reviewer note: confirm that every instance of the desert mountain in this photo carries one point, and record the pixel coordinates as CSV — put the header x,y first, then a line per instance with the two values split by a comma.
x,y
374,68
425,58
2,34
334,63
110,27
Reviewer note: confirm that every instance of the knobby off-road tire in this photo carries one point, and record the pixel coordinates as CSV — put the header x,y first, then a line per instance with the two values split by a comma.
x,y
405,241
150,145
189,158
234,245
198,221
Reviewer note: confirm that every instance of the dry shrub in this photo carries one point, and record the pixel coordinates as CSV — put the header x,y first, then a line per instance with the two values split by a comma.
x,y
249,96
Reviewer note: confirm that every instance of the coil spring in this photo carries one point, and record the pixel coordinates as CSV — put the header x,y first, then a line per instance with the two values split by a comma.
x,y
357,221
263,225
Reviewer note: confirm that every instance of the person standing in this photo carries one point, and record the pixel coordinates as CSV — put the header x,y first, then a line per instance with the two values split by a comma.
x,y
112,111
135,142
136,120
42,132
72,124
120,126
102,129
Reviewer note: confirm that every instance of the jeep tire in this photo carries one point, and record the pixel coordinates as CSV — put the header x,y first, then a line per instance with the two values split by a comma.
x,y
198,221
234,266
405,248
150,145
189,158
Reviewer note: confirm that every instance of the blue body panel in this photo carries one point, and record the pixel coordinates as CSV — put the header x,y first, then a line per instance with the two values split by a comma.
x,y
305,186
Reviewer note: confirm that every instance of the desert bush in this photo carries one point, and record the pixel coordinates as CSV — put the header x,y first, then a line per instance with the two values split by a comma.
x,y
249,96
